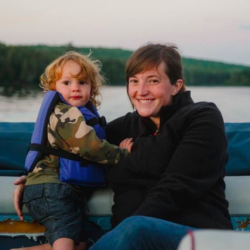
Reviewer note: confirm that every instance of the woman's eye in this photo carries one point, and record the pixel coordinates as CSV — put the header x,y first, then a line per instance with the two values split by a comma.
x,y
82,82
133,81
153,80
66,82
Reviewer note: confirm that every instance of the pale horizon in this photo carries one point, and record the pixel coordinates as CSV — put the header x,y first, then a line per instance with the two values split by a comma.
x,y
208,30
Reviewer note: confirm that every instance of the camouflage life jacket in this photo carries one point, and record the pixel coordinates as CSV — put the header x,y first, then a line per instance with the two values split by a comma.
x,y
73,168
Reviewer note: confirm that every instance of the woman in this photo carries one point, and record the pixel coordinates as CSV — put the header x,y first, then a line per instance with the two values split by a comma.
x,y
172,181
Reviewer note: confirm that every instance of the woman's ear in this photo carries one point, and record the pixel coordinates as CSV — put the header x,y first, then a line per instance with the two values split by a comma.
x,y
177,86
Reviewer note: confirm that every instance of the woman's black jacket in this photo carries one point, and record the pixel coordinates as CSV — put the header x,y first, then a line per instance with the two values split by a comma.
x,y
176,175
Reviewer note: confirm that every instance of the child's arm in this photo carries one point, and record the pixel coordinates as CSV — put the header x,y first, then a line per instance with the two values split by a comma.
x,y
68,130
18,194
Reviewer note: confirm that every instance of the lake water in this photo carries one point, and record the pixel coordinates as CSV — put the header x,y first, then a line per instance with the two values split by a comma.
x,y
234,103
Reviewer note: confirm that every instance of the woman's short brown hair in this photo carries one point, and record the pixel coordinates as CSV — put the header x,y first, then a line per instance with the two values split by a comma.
x,y
152,55
90,69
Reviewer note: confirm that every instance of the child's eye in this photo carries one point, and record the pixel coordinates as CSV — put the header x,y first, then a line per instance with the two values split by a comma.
x,y
82,82
66,82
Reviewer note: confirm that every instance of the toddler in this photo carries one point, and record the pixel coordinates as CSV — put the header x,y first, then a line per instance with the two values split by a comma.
x,y
64,159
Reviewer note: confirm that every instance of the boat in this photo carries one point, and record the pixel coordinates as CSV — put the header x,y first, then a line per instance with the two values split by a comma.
x,y
14,143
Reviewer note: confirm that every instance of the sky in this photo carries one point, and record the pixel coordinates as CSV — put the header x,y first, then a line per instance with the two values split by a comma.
x,y
217,30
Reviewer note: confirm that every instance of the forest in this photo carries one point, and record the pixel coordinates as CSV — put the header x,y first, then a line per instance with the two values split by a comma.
x,y
21,67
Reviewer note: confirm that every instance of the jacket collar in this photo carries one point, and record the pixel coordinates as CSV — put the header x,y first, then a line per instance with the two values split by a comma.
x,y
147,127
179,101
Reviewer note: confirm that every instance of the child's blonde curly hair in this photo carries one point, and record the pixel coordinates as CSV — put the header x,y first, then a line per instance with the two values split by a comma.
x,y
90,69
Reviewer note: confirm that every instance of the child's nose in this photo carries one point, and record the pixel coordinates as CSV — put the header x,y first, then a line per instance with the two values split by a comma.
x,y
76,87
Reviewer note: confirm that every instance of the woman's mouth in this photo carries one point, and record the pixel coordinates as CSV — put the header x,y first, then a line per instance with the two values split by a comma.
x,y
145,100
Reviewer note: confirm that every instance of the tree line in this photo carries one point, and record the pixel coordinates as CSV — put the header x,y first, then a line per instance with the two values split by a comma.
x,y
21,67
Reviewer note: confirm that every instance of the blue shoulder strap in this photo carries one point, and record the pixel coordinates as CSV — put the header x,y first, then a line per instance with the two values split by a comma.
x,y
39,142
39,135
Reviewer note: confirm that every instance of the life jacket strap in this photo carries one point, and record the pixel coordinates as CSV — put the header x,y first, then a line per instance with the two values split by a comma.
x,y
59,152
97,120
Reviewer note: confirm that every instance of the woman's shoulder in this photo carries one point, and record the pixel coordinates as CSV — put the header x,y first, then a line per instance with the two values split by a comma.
x,y
118,129
129,117
198,114
202,115
206,108
201,105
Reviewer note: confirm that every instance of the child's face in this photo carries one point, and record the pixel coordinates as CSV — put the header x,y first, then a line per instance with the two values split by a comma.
x,y
75,91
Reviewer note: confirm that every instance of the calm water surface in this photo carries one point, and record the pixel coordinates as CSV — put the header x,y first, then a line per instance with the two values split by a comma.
x,y
234,103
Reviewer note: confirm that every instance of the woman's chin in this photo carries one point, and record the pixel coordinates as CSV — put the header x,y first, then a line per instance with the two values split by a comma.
x,y
146,113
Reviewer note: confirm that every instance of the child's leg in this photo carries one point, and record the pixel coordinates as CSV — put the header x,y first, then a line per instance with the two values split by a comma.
x,y
81,246
38,247
68,244
64,244
56,207
62,218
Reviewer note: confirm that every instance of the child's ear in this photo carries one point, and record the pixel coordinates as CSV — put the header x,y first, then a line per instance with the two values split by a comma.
x,y
177,86
53,87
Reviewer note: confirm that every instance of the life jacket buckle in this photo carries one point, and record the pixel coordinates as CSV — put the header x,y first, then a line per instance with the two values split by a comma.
x,y
102,121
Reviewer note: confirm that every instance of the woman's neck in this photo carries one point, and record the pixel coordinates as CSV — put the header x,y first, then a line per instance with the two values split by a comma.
x,y
156,121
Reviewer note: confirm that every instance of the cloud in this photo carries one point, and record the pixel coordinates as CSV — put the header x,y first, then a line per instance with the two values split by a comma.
x,y
245,27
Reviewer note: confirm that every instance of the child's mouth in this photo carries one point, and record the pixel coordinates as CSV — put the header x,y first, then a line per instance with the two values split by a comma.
x,y
76,97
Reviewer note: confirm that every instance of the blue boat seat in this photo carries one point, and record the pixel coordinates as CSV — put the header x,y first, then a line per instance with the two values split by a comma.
x,y
14,143
238,136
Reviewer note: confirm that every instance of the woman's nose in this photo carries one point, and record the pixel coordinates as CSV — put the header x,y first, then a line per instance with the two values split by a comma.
x,y
142,89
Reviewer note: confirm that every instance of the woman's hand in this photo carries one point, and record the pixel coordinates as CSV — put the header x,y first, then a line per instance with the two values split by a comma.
x,y
17,195
127,143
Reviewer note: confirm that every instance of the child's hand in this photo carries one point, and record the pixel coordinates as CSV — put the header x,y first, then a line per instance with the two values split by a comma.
x,y
127,143
17,196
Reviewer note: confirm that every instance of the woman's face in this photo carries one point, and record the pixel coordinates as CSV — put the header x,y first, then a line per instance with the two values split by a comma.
x,y
150,90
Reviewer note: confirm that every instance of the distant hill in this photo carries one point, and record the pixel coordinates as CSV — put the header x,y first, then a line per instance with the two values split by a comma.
x,y
210,73
21,66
